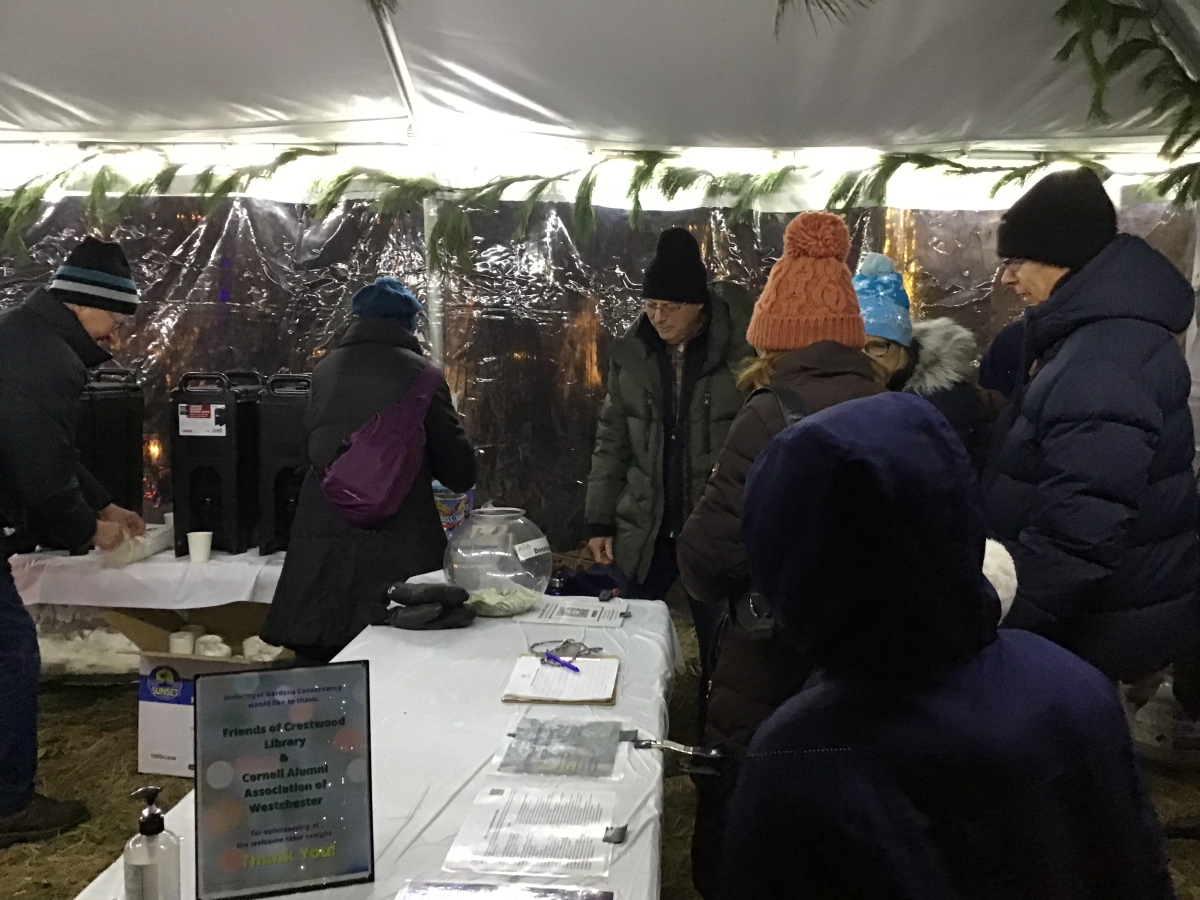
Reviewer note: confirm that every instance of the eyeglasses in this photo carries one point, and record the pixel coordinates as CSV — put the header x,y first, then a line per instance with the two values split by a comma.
x,y
1009,265
653,307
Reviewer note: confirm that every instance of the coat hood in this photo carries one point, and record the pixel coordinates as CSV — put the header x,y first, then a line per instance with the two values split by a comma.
x,y
864,528
380,331
823,359
945,357
1128,280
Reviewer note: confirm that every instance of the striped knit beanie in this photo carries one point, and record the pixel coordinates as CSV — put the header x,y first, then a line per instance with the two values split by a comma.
x,y
97,274
809,297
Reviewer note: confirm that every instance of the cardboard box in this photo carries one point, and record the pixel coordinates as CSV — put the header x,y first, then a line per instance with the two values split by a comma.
x,y
166,692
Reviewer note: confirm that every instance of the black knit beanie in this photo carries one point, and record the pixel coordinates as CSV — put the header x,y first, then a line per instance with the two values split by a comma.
x,y
1065,219
97,274
677,273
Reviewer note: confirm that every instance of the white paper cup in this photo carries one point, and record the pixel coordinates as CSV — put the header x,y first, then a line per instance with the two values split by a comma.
x,y
200,546
182,643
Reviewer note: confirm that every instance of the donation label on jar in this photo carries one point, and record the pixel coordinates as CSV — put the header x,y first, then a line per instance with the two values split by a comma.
x,y
530,549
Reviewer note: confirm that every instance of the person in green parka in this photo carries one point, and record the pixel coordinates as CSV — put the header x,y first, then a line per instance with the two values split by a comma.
x,y
672,395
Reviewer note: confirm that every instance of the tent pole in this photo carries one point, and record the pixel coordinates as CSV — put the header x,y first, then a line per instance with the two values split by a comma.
x,y
434,311
391,47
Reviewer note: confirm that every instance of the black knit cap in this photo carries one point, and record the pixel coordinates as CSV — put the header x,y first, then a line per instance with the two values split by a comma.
x,y
1065,219
97,274
677,273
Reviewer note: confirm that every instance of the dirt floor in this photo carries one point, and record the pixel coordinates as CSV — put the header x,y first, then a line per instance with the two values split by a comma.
x,y
88,749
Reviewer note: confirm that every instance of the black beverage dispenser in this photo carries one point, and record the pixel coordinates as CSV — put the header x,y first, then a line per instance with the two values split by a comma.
x,y
281,461
108,434
214,458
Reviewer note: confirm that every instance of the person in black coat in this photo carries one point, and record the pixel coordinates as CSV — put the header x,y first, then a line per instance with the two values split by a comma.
x,y
1089,481
934,758
47,344
335,574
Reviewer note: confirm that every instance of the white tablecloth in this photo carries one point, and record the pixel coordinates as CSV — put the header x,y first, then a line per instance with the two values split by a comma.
x,y
437,721
160,582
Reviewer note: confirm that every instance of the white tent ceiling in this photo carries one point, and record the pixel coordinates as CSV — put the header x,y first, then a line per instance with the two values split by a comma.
x,y
902,73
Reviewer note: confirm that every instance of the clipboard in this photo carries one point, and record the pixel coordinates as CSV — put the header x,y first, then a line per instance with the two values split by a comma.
x,y
595,684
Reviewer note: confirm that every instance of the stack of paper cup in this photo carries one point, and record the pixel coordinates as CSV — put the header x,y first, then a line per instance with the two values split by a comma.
x,y
182,643
212,645
199,546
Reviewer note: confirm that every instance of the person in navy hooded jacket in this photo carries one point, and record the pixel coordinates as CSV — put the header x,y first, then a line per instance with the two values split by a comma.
x,y
935,758
1089,481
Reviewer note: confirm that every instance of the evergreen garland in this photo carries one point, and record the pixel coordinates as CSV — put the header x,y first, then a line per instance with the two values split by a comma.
x,y
1130,34
868,187
20,210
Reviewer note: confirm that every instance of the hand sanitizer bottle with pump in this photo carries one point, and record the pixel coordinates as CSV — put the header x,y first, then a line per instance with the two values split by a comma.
x,y
152,855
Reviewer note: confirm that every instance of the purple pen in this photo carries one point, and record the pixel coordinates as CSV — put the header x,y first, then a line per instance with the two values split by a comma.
x,y
562,662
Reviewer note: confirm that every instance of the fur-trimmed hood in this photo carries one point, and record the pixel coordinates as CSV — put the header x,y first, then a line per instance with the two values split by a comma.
x,y
945,356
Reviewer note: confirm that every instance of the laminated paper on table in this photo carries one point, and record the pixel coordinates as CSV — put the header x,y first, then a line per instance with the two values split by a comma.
x,y
559,747
446,890
595,683
577,611
535,831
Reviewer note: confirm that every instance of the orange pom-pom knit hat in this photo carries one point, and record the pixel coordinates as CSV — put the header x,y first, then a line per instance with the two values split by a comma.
x,y
809,297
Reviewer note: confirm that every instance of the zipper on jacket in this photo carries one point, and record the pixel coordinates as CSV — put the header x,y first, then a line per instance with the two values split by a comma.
x,y
649,421
708,420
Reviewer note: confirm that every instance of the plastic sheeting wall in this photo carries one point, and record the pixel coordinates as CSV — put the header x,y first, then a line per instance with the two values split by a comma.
x,y
526,336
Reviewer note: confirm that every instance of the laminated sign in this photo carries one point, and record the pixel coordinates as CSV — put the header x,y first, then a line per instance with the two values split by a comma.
x,y
283,781
202,419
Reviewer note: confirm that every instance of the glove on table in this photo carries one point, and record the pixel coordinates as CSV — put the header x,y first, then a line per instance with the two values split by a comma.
x,y
445,595
427,607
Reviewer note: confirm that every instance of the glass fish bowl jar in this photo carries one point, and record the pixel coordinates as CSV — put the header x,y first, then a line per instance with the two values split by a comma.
x,y
497,547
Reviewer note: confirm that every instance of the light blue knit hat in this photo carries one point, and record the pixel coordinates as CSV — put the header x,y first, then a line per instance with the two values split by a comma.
x,y
882,299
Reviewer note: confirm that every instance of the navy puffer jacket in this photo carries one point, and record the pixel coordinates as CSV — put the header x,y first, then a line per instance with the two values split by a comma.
x,y
1090,481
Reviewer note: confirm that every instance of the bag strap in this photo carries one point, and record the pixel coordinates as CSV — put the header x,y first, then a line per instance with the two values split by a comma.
x,y
419,395
427,381
749,613
791,404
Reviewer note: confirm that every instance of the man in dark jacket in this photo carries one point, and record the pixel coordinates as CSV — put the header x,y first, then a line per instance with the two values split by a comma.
x,y
935,759
672,394
47,345
336,574
1089,481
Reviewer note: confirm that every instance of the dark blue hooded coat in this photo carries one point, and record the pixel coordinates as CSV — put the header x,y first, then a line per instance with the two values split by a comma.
x,y
934,759
1090,484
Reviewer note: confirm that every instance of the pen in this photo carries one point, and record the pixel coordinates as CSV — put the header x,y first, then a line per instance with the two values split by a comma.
x,y
562,662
